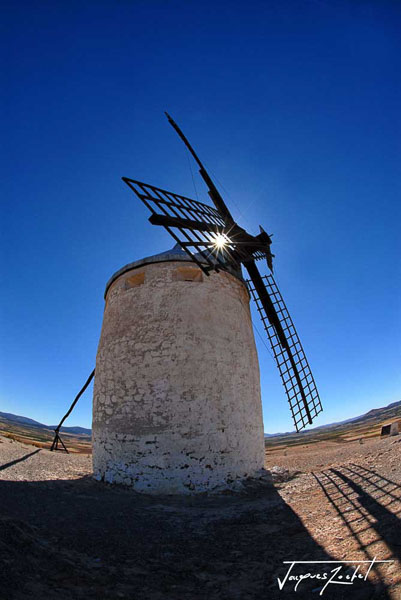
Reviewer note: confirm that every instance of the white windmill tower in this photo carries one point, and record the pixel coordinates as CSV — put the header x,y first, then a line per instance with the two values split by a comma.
x,y
177,405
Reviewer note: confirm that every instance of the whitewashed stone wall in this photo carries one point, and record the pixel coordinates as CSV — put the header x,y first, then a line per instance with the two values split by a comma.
x,y
176,405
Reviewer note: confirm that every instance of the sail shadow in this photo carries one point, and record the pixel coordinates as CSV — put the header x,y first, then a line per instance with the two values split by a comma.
x,y
352,496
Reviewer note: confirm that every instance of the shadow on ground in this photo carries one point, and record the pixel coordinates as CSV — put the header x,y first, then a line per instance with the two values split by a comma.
x,y
18,460
79,538
369,506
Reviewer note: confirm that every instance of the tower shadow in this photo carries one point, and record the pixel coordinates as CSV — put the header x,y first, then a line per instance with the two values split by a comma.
x,y
81,538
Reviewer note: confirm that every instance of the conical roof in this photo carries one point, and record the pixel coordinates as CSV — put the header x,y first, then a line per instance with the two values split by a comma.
x,y
176,253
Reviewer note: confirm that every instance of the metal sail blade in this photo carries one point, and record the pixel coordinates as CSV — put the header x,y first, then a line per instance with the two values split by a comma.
x,y
291,361
213,191
196,227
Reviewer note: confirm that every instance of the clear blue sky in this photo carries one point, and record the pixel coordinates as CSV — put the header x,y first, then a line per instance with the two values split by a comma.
x,y
295,107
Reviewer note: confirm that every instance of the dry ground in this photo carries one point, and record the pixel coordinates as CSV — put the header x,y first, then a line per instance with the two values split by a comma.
x,y
68,537
43,438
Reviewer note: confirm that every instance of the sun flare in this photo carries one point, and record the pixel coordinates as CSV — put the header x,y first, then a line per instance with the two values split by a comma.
x,y
220,240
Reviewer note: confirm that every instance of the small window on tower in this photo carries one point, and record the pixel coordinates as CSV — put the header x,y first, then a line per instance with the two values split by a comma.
x,y
134,280
187,274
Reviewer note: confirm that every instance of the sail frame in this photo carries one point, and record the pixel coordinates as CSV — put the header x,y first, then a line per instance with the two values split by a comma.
x,y
296,375
194,225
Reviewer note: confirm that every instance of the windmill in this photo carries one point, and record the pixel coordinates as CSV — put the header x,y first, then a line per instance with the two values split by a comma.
x,y
214,241
170,413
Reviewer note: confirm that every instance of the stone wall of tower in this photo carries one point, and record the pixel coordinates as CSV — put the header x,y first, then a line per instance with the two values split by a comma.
x,y
176,405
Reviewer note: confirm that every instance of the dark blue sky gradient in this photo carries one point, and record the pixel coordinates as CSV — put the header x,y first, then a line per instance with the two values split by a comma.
x,y
295,108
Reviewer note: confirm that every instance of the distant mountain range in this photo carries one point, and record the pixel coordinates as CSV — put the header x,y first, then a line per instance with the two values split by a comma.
x,y
386,412
31,423
393,410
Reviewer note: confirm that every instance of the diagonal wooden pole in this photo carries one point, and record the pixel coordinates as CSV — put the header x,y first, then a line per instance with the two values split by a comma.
x,y
57,437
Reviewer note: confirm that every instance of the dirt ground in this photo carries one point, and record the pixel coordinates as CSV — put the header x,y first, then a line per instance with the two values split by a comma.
x,y
65,536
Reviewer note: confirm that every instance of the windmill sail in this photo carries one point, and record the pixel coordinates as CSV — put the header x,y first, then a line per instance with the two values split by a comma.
x,y
197,228
213,191
213,240
289,355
